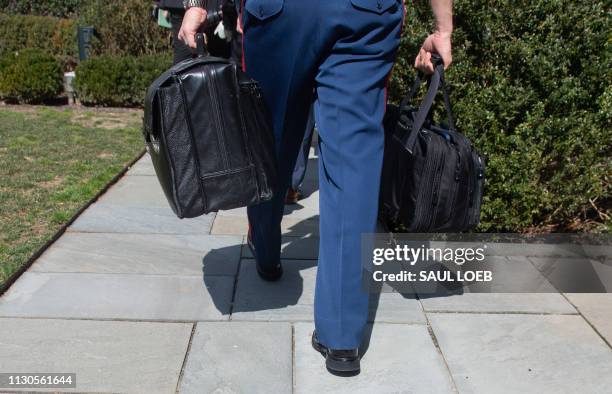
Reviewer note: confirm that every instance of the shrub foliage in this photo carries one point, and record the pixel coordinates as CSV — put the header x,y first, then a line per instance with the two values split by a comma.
x,y
55,36
30,76
118,81
531,87
59,8
124,28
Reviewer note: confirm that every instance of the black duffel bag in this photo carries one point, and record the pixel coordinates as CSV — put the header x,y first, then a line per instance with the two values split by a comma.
x,y
210,136
432,177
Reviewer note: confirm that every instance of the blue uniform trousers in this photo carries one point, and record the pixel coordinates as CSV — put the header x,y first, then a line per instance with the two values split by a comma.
x,y
338,53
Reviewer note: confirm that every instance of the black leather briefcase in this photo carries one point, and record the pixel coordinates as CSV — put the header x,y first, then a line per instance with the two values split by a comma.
x,y
210,136
433,177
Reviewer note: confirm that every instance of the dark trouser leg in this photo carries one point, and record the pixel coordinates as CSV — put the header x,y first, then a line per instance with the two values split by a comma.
x,y
302,160
180,51
286,77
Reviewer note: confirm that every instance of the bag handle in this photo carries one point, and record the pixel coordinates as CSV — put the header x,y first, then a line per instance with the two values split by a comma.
x,y
200,45
436,82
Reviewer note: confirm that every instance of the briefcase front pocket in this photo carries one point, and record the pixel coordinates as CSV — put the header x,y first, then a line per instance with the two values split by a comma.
x,y
230,189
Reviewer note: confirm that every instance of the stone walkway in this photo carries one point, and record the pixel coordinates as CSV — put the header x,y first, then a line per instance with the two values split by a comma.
x,y
134,300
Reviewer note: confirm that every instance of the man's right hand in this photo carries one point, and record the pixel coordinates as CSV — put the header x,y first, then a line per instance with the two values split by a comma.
x,y
439,43
193,20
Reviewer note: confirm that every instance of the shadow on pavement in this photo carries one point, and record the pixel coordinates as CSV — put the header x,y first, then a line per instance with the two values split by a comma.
x,y
252,294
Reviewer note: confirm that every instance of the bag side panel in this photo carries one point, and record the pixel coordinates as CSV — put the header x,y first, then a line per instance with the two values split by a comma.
x,y
230,190
157,149
181,153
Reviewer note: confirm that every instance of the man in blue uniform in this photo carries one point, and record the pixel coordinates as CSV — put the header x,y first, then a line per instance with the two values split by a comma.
x,y
338,53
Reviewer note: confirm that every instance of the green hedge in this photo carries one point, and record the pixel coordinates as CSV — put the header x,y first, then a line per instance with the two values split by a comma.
x,y
55,36
531,85
59,8
124,28
29,76
118,81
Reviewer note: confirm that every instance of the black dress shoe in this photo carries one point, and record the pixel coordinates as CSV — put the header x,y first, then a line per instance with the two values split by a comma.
x,y
270,274
338,362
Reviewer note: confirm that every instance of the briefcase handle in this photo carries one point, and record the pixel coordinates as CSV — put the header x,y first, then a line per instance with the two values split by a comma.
x,y
200,45
436,82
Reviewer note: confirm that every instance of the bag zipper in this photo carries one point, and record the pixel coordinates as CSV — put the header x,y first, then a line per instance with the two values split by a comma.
x,y
475,217
212,90
246,89
436,191
453,190
424,200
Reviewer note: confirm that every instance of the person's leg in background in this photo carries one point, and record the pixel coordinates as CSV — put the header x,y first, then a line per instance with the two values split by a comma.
x,y
285,71
351,83
294,194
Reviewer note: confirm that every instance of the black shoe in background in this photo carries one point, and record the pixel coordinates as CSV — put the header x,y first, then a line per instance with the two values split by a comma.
x,y
293,196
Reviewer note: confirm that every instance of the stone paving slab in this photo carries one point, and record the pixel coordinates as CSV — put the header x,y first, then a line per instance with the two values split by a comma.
x,y
144,166
544,250
136,191
142,254
237,225
516,271
305,208
118,296
111,218
576,275
239,358
400,359
291,298
597,309
301,248
107,356
523,353
500,302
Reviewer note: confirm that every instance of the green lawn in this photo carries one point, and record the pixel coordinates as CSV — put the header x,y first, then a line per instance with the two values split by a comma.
x,y
52,161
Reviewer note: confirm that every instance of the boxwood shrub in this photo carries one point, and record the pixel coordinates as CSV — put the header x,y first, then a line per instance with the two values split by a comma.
x,y
124,28
118,81
531,85
29,76
55,36
59,8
